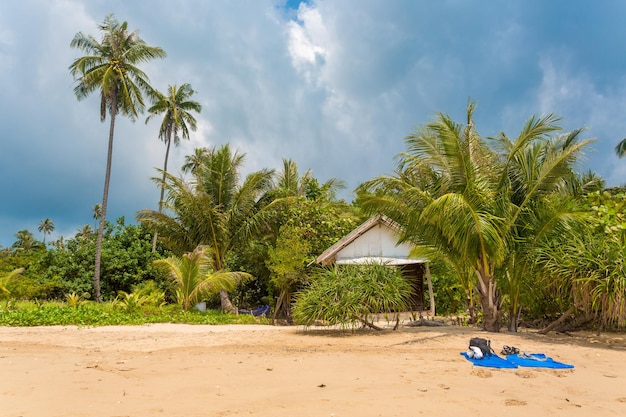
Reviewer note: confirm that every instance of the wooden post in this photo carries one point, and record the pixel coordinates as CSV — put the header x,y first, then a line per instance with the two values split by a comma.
x,y
430,292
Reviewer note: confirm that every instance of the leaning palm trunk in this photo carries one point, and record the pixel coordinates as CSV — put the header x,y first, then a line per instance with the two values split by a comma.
x,y
226,304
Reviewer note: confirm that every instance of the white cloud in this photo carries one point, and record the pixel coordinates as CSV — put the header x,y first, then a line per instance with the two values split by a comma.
x,y
306,48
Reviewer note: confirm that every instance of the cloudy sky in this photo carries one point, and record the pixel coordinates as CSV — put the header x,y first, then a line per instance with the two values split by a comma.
x,y
333,85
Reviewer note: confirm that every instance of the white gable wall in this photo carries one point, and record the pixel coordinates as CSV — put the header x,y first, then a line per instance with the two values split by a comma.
x,y
377,241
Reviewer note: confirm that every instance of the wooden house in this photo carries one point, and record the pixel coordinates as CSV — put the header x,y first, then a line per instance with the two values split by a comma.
x,y
376,241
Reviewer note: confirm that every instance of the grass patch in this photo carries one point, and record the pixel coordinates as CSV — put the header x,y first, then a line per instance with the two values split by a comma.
x,y
21,314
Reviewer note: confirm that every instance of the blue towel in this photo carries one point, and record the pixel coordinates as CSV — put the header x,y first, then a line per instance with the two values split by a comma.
x,y
493,361
260,311
537,360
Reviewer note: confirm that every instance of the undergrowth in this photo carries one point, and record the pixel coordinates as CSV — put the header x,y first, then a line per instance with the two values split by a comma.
x,y
106,314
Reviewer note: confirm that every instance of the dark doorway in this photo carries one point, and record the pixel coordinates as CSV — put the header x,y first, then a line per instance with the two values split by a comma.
x,y
415,275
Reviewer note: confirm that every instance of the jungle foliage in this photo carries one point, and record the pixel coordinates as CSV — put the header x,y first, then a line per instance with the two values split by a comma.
x,y
514,235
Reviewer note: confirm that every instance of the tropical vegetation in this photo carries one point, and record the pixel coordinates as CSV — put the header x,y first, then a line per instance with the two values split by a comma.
x,y
176,108
194,277
216,209
514,233
486,207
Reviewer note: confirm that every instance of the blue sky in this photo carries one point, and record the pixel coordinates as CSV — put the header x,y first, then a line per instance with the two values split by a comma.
x,y
333,85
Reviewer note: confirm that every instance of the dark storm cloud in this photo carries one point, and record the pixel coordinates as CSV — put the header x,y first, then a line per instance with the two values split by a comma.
x,y
334,85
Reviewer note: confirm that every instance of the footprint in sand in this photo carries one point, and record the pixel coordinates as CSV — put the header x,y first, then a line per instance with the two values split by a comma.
x,y
526,374
482,373
514,403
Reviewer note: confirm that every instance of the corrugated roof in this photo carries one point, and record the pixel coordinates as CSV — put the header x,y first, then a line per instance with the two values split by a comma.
x,y
383,260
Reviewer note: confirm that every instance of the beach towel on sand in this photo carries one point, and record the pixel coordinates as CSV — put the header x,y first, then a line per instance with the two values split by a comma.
x,y
493,361
537,360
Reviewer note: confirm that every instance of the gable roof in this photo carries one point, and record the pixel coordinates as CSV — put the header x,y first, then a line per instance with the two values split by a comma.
x,y
329,255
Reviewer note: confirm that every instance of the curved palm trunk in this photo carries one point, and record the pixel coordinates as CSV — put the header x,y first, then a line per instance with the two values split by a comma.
x,y
167,153
103,211
226,304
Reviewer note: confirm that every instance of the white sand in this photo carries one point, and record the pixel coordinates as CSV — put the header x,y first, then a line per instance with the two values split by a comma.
x,y
243,370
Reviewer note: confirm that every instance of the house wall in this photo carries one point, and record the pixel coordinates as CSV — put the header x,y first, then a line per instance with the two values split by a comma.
x,y
377,241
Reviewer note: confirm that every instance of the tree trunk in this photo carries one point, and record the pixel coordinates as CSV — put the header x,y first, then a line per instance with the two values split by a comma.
x,y
367,323
558,321
103,209
430,292
488,300
491,315
167,153
283,303
226,305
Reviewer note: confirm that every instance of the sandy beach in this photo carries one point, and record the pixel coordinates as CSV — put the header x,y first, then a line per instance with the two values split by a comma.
x,y
246,370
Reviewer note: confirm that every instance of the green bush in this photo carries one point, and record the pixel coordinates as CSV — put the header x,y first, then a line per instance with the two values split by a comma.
x,y
349,295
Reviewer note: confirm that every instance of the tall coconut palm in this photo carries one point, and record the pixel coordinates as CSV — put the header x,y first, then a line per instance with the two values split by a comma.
x,y
454,193
216,209
176,109
46,227
110,67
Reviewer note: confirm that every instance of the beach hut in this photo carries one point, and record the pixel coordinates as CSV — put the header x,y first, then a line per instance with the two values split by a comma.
x,y
376,241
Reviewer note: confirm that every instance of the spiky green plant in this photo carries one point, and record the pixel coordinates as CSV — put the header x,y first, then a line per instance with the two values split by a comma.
x,y
349,296
75,300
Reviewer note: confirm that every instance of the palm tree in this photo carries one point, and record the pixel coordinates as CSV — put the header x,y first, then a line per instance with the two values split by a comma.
x,y
194,276
290,183
193,162
176,108
97,213
25,241
83,232
110,67
453,192
46,226
59,243
620,149
215,210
